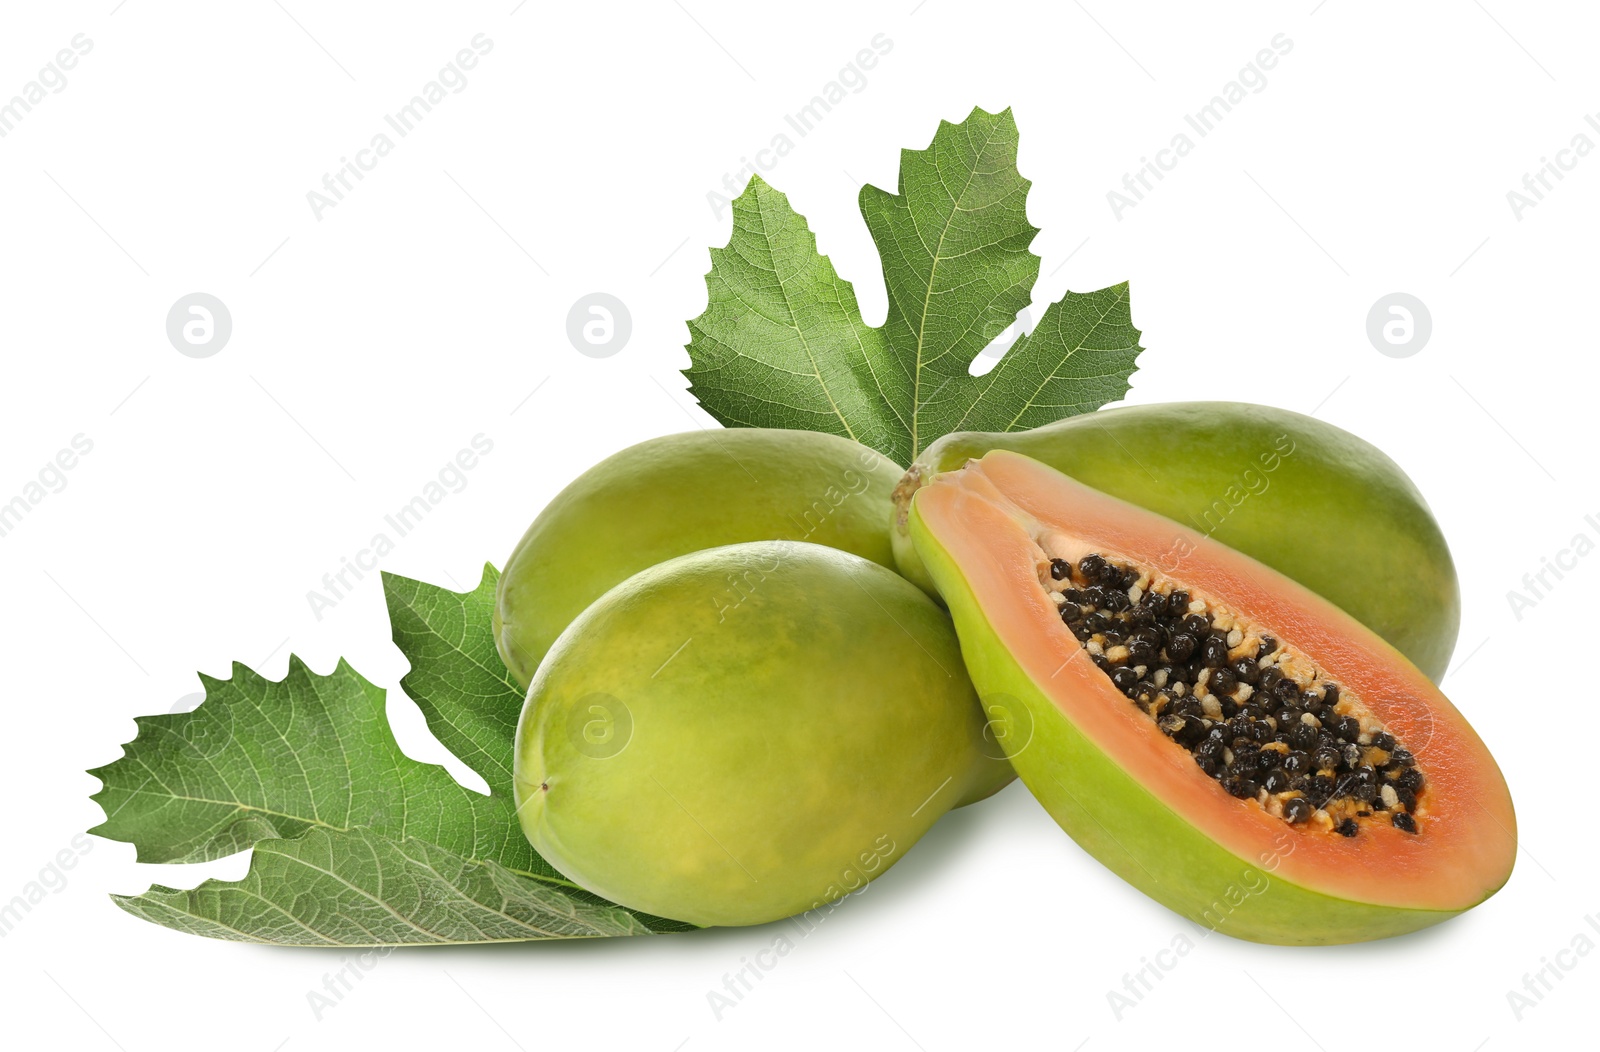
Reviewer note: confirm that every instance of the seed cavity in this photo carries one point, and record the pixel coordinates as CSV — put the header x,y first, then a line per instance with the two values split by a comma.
x,y
1259,718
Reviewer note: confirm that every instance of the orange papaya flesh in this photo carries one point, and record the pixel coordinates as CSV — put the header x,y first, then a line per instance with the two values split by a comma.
x,y
1131,790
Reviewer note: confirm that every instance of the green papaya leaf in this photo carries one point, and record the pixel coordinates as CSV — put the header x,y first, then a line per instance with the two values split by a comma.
x,y
261,759
457,678
357,888
354,843
781,342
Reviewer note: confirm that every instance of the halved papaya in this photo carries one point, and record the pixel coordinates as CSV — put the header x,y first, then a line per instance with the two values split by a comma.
x,y
1226,740
1301,495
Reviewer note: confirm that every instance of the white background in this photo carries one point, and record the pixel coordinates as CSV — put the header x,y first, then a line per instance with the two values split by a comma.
x,y
371,344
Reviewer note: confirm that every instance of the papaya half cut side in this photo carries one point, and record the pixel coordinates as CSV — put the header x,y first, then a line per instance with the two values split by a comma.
x,y
1393,816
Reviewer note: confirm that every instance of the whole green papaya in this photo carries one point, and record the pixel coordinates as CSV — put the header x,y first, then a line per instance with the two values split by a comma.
x,y
1308,499
749,732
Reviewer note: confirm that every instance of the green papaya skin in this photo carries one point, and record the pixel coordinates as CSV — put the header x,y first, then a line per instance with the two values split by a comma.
x,y
747,733
678,494
1310,500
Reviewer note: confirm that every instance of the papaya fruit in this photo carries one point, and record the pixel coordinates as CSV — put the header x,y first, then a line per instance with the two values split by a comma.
x,y
1228,741
678,494
748,732
1307,498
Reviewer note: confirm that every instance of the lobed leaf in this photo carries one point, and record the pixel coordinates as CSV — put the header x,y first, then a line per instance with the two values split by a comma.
x,y
781,342
355,843
357,888
262,759
457,678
